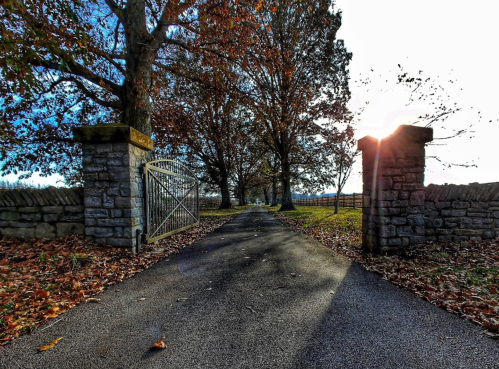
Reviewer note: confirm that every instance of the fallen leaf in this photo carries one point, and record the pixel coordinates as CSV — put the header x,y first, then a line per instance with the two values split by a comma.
x,y
182,299
42,294
93,299
141,299
160,344
50,345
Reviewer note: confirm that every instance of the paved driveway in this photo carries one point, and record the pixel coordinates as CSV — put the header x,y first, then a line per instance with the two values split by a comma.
x,y
254,294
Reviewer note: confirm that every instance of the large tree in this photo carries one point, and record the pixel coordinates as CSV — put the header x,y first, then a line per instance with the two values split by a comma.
x,y
299,73
203,116
66,63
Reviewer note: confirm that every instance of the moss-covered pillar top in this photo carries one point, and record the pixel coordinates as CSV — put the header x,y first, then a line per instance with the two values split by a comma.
x,y
112,133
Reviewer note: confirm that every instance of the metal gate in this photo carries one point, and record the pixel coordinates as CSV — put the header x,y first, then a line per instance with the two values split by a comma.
x,y
171,199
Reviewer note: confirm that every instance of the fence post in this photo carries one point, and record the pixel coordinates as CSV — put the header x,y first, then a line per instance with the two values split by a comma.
x,y
354,201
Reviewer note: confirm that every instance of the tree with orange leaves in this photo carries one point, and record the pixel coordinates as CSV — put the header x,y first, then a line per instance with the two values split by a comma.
x,y
298,71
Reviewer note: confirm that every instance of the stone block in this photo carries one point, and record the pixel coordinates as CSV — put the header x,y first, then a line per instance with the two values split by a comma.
x,y
125,202
477,215
388,231
73,218
45,230
90,222
66,229
51,217
10,215
443,231
467,232
116,213
397,186
453,213
460,205
400,203
99,231
135,212
74,208
115,222
444,238
18,224
433,222
108,202
429,232
389,195
419,230
404,231
480,223
119,174
414,210
93,202
488,235
52,209
416,220
495,214
443,205
118,232
31,217
416,198
414,240
96,213
404,195
101,184
29,209
449,223
385,183
397,241
18,232
399,220
104,148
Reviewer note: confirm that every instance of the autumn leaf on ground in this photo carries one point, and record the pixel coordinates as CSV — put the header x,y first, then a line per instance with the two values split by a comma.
x,y
93,299
160,344
141,299
50,345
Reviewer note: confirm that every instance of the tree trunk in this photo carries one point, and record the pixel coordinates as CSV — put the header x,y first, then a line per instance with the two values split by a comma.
x,y
266,195
274,191
337,202
137,108
224,189
287,201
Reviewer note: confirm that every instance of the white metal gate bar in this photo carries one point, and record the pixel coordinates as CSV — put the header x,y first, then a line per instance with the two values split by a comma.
x,y
171,199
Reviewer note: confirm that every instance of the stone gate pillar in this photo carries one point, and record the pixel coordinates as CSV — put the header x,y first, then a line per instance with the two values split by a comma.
x,y
112,182
393,189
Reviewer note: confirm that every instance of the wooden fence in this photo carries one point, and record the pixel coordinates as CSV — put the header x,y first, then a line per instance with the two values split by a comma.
x,y
346,201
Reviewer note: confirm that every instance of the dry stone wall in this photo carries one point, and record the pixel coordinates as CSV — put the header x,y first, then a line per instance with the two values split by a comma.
x,y
42,213
462,212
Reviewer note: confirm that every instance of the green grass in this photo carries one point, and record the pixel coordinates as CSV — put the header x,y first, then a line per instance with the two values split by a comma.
x,y
323,218
207,213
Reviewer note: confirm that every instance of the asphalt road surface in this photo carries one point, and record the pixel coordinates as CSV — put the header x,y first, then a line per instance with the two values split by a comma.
x,y
255,294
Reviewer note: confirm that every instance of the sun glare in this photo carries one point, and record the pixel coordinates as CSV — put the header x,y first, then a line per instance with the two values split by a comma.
x,y
382,132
